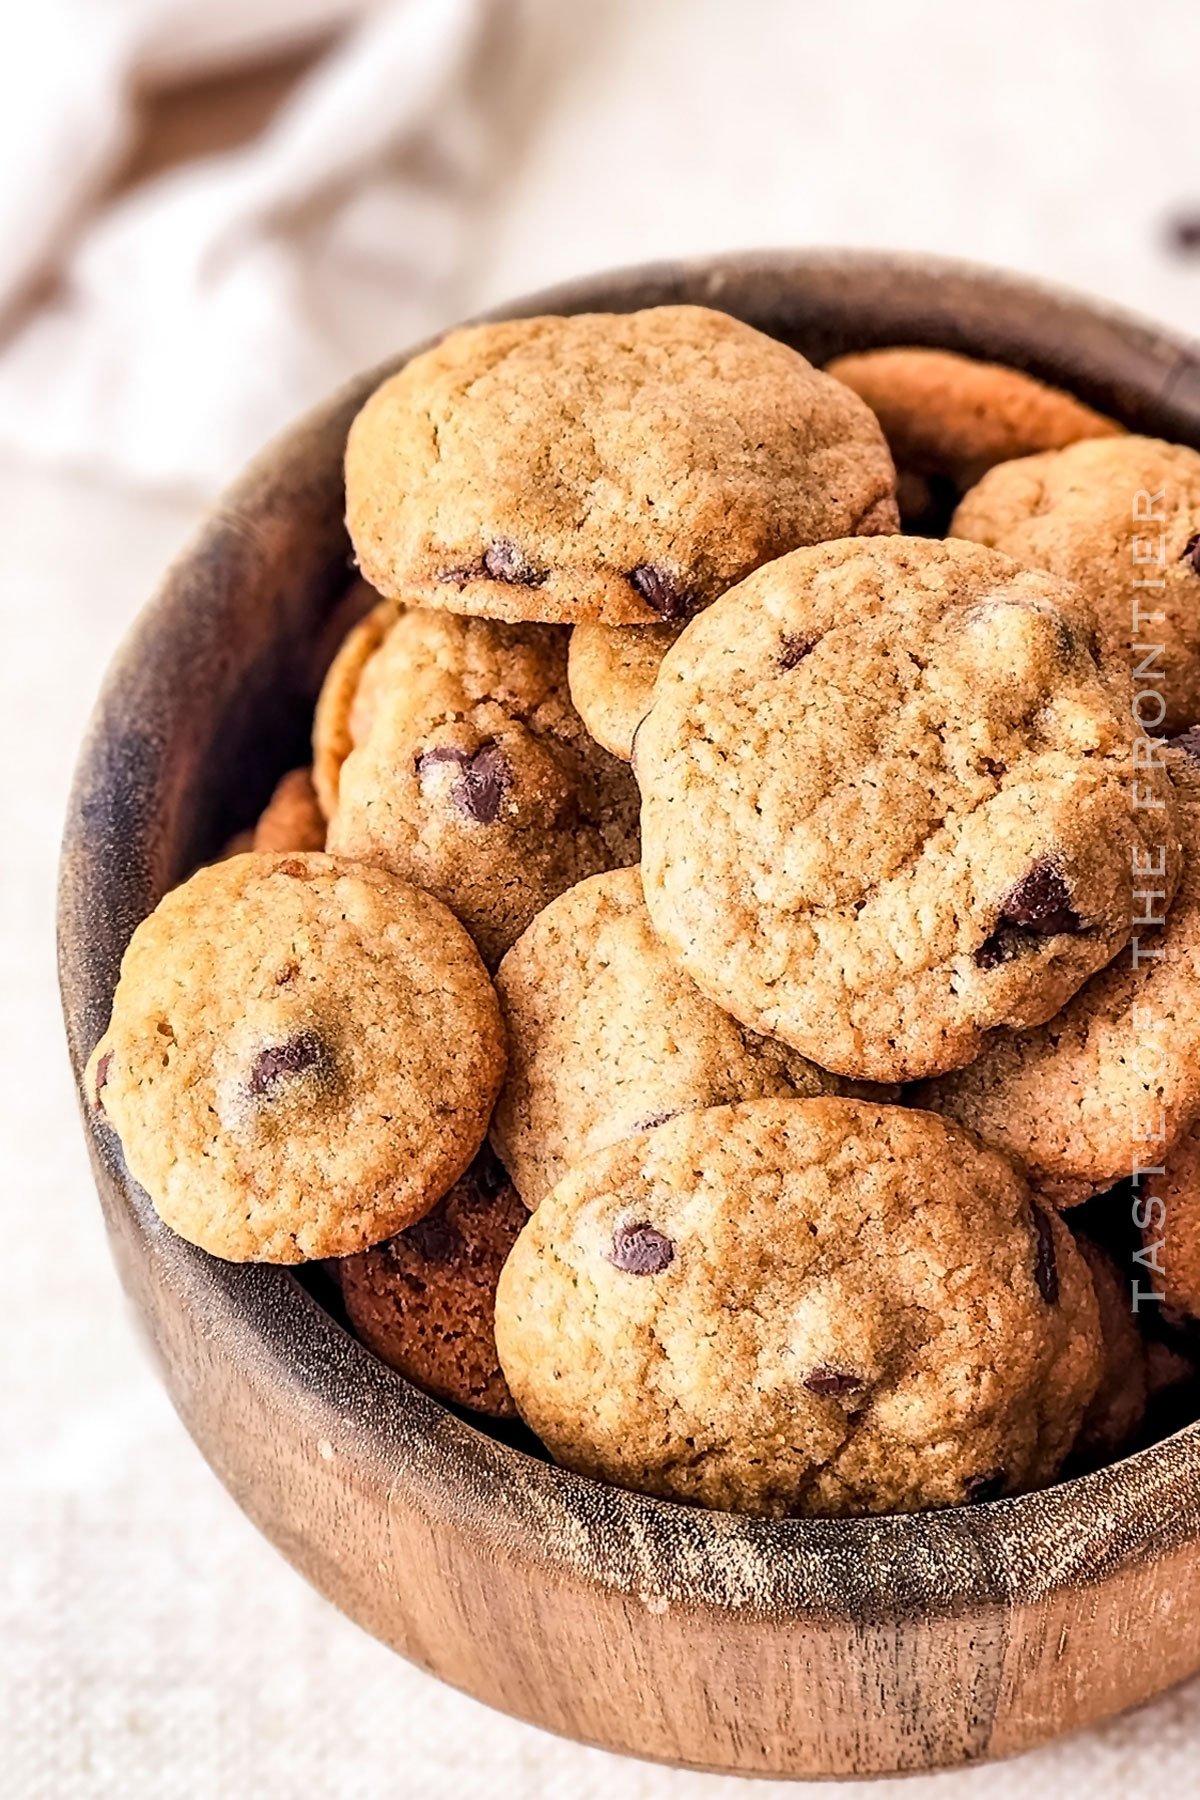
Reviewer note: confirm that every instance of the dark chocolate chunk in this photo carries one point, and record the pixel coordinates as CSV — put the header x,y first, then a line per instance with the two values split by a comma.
x,y
506,561
481,784
832,1383
640,1250
1041,902
278,1063
1039,906
978,1489
660,590
1191,553
1045,1259
481,787
794,648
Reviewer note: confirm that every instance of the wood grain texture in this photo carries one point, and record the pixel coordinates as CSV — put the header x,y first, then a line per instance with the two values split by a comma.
x,y
805,1647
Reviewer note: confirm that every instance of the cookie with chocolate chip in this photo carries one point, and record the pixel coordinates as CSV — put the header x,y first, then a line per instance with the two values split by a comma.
x,y
474,775
1112,1081
302,1057
292,818
1121,518
624,467
424,1301
607,1037
887,803
949,418
801,1307
612,669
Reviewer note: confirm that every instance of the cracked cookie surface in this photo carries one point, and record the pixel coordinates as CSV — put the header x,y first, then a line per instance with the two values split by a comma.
x,y
425,1300
1116,1074
608,1038
801,1307
624,467
302,1057
476,777
886,802
1120,518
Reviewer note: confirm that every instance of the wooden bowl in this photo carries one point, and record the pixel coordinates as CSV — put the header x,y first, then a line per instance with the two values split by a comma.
x,y
820,1647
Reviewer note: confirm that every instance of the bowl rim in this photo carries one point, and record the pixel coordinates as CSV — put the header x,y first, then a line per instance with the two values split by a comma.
x,y
1083,1528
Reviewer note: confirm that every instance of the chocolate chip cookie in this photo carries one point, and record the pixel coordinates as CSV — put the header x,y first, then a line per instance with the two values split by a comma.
x,y
801,1307
1121,518
611,669
949,418
302,1057
623,467
887,806
476,777
425,1300
1114,1079
608,1038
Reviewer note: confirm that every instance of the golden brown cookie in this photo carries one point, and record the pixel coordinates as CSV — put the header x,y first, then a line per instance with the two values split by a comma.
x,y
612,669
886,803
1114,1079
293,819
949,418
424,1301
302,1057
801,1307
341,719
1121,518
624,467
476,778
608,1038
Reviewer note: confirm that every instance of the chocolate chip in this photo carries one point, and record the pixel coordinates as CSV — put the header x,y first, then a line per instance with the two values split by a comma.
x,y
433,1237
1041,902
280,1062
1039,906
1188,741
640,1250
1045,1260
978,1489
651,1120
481,784
506,561
102,1068
794,647
660,590
832,1383
1191,553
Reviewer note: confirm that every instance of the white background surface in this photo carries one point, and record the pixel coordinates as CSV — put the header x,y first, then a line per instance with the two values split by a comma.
x,y
151,1644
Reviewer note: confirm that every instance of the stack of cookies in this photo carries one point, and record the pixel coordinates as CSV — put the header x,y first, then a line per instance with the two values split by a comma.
x,y
746,889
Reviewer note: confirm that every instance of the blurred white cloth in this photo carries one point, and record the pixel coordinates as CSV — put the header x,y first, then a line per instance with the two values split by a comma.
x,y
201,310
